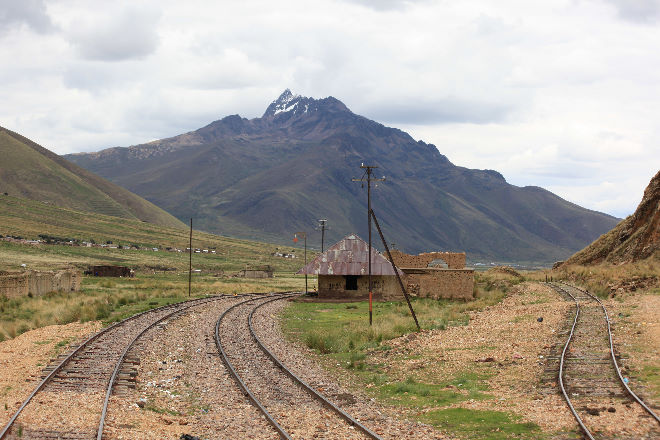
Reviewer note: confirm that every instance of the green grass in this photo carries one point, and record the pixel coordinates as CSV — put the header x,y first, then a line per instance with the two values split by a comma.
x,y
111,300
30,219
342,328
415,394
341,333
159,410
481,424
650,375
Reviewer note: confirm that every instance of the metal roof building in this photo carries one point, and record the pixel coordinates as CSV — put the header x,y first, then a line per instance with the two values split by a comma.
x,y
349,256
344,268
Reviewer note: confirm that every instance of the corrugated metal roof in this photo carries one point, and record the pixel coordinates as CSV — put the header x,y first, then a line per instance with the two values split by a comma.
x,y
350,256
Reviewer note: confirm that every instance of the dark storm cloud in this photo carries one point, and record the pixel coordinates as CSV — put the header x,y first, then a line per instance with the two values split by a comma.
x,y
31,13
639,11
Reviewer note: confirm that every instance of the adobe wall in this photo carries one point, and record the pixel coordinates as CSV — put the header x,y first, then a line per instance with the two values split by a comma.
x,y
249,273
440,283
13,285
384,288
454,260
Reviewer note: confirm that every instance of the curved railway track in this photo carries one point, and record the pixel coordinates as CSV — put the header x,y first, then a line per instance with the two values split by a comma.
x,y
293,408
589,376
80,380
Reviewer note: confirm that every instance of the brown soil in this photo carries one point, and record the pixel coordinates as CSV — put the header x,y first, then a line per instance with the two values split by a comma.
x,y
23,358
508,342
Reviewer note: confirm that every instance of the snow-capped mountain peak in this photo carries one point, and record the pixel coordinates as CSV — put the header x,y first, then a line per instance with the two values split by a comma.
x,y
288,103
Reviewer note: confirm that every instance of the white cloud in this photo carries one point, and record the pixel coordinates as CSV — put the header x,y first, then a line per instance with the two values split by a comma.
x,y
113,31
563,95
30,13
640,11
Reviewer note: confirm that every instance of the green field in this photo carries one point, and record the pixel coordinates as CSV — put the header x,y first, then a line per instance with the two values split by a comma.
x,y
161,277
29,219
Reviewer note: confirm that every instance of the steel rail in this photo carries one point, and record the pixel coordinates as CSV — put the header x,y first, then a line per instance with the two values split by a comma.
x,y
113,378
283,434
66,360
561,367
614,362
301,382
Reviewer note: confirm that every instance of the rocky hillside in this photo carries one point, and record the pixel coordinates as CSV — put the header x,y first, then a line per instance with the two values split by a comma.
x,y
635,238
267,177
30,171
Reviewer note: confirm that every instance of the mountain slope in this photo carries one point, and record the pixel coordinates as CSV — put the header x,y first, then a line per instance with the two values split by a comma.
x,y
267,177
31,171
635,238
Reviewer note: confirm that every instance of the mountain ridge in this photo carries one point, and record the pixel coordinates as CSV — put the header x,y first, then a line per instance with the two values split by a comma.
x,y
267,176
34,172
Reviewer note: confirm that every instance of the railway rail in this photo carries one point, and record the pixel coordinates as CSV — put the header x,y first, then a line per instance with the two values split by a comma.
x,y
84,376
291,406
590,378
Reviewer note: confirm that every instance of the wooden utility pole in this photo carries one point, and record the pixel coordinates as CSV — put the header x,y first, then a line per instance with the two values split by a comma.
x,y
369,171
190,261
295,239
322,226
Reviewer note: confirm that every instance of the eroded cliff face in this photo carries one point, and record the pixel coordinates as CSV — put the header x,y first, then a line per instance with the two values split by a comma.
x,y
635,238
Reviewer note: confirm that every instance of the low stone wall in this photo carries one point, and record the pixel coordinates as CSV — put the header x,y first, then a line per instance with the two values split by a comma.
x,y
249,273
14,285
454,260
440,283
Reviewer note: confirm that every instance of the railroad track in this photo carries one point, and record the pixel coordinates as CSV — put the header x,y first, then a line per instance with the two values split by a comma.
x,y
590,378
83,381
293,408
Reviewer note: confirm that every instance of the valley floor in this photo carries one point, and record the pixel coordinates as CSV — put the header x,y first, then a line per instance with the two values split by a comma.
x,y
489,379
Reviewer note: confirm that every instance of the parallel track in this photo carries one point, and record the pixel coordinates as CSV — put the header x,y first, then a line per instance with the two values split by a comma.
x,y
276,389
87,368
585,377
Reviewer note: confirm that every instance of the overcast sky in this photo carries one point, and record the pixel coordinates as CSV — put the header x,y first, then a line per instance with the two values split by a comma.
x,y
560,94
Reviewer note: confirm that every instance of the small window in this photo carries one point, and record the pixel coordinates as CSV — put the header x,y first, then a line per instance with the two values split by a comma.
x,y
351,282
439,263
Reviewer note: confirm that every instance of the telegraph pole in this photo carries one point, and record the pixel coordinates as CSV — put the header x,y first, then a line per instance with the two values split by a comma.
x,y
369,171
322,226
295,240
190,260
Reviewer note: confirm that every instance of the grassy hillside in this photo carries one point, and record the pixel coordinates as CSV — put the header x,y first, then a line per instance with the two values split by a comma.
x,y
31,171
161,277
28,219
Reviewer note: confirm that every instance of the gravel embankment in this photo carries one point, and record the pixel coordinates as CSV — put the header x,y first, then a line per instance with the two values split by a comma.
x,y
182,386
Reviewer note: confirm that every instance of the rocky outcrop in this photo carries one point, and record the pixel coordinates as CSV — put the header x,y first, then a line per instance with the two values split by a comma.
x,y
635,238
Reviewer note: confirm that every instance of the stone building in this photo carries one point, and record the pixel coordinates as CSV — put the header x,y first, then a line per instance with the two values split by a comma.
x,y
110,271
343,272
436,274
256,272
